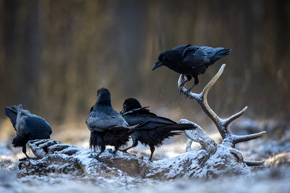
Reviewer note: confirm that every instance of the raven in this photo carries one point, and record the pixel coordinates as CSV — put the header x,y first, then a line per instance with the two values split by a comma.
x,y
151,129
107,126
190,61
27,126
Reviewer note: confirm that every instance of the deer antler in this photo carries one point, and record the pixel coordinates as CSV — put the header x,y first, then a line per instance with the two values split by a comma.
x,y
229,139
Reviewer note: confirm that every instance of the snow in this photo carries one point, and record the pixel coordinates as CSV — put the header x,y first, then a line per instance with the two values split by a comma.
x,y
69,168
266,181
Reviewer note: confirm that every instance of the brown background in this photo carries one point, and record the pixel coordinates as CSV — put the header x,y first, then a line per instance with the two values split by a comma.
x,y
54,55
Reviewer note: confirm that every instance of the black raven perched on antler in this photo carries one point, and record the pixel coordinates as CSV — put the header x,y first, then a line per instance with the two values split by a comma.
x,y
152,129
107,126
190,61
27,126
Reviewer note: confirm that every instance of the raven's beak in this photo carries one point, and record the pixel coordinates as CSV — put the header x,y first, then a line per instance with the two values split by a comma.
x,y
122,112
157,65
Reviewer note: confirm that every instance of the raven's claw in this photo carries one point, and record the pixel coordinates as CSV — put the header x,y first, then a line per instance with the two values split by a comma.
x,y
181,86
187,93
180,89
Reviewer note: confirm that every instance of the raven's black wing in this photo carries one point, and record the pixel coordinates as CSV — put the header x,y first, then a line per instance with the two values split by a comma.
x,y
142,110
181,48
213,54
194,56
155,121
161,126
36,127
101,121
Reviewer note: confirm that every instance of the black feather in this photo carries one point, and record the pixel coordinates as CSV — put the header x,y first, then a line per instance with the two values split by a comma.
x,y
190,60
152,129
106,125
30,126
11,114
19,141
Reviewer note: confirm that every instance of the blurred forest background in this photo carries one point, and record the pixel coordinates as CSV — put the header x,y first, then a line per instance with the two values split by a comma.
x,y
54,55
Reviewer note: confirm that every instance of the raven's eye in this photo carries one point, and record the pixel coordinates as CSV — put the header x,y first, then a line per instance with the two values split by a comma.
x,y
162,58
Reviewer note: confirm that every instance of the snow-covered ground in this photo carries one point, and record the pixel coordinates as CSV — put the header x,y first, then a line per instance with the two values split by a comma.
x,y
274,149
266,181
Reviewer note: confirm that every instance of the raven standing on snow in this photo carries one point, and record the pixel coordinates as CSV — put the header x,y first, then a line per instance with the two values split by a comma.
x,y
190,61
152,129
106,125
27,125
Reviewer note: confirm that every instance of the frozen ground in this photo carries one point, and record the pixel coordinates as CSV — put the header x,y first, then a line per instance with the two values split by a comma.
x,y
266,181
273,148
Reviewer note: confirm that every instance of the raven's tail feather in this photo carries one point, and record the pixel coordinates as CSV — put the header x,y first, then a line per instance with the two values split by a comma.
x,y
95,140
115,137
19,141
178,127
153,125
156,136
220,54
12,114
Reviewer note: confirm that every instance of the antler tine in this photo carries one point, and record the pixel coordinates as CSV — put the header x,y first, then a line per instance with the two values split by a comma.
x,y
234,139
205,106
242,138
229,139
201,98
213,81
254,163
229,120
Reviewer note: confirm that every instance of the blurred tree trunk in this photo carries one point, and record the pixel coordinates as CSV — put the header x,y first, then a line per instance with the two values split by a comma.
x,y
22,44
55,55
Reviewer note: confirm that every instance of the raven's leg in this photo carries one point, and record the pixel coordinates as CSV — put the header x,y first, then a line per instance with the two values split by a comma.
x,y
116,149
135,143
152,149
93,150
93,142
24,151
103,147
189,90
182,84
196,81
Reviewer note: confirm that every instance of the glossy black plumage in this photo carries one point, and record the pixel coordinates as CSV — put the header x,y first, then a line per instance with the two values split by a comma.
x,y
107,126
190,60
152,129
27,126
